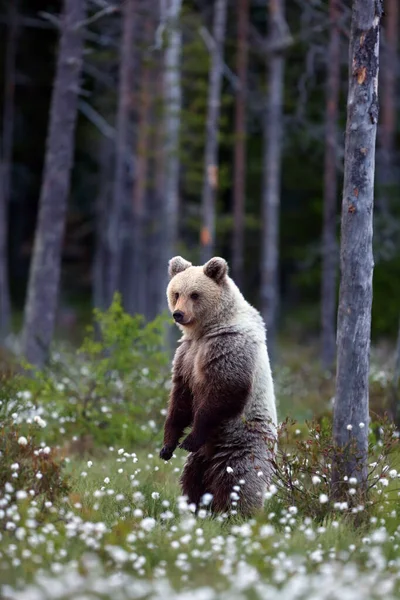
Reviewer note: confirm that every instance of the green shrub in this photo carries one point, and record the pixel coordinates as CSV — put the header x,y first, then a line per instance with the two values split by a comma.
x,y
304,475
114,387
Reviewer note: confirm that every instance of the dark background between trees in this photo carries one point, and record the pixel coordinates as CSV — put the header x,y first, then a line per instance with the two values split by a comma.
x,y
218,132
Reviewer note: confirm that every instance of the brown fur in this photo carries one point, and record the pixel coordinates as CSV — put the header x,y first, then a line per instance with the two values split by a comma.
x,y
212,380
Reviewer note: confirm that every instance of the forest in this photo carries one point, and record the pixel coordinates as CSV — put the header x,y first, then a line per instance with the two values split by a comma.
x,y
261,131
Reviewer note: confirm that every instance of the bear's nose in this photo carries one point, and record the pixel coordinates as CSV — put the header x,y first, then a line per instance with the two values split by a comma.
x,y
178,316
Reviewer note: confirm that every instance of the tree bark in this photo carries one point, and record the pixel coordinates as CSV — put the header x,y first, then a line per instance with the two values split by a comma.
x,y
273,127
44,277
122,152
210,182
356,260
171,126
239,183
101,253
140,188
6,165
329,246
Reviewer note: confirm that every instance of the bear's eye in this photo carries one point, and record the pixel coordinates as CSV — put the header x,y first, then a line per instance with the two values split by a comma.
x,y
194,296
176,296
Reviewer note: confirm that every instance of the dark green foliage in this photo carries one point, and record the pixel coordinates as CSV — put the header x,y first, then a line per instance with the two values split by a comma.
x,y
114,386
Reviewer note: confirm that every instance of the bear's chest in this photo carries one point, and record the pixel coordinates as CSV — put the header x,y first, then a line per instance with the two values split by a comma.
x,y
191,364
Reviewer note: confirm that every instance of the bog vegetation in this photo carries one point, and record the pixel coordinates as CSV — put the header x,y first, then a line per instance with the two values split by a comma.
x,y
84,517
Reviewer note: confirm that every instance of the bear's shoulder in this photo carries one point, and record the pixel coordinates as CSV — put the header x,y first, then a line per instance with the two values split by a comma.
x,y
229,345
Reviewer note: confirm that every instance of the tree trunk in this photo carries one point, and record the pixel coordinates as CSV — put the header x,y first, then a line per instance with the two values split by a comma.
x,y
157,254
210,183
6,164
140,188
239,183
44,277
172,119
122,152
356,260
101,254
329,246
272,172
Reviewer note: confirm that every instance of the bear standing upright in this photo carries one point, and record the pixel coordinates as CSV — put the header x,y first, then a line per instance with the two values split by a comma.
x,y
221,386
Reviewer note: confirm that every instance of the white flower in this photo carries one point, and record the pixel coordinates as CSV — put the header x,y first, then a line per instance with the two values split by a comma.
x,y
266,531
323,498
14,467
206,499
22,441
89,463
21,495
148,524
315,479
293,510
361,425
349,427
40,421
392,473
229,470
155,495
106,480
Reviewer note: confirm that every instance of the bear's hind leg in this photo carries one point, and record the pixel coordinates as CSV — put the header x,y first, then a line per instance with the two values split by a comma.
x,y
192,478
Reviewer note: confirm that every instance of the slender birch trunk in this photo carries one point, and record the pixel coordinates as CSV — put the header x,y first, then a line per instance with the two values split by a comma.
x,y
210,182
140,188
351,410
114,233
272,173
171,126
44,276
239,183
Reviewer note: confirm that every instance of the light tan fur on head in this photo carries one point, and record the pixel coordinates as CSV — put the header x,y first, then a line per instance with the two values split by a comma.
x,y
200,293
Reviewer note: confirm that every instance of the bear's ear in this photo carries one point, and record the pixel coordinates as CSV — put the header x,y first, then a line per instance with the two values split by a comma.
x,y
177,265
216,268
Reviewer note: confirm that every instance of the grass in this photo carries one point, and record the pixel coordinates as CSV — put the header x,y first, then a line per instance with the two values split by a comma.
x,y
125,511
123,531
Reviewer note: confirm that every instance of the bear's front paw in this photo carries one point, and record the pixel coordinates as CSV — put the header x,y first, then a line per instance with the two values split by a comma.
x,y
166,452
191,444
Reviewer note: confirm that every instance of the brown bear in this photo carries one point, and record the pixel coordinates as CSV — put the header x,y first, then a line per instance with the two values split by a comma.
x,y
221,386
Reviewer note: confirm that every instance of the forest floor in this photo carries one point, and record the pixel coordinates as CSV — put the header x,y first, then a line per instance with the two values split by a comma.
x,y
94,513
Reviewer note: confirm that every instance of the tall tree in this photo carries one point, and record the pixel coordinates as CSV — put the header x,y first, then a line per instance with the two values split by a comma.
x,y
140,187
239,183
44,277
101,257
171,129
356,260
122,151
6,164
329,246
210,181
278,34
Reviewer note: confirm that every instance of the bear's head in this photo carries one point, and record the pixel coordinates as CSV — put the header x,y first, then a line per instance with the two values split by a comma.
x,y
198,295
